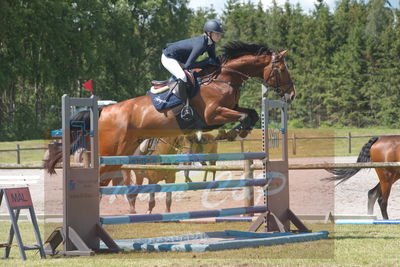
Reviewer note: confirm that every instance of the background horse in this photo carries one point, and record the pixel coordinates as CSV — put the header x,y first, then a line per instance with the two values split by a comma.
x,y
377,149
122,126
165,146
170,145
201,143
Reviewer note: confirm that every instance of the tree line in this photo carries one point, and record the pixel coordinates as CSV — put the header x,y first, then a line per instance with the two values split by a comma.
x,y
344,62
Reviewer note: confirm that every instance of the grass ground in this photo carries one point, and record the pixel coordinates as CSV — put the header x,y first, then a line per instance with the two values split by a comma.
x,y
348,245
27,156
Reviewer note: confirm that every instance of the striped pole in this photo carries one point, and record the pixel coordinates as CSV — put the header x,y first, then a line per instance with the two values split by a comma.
x,y
155,188
120,160
163,217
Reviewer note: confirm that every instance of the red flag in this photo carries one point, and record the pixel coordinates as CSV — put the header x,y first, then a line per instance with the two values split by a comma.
x,y
88,86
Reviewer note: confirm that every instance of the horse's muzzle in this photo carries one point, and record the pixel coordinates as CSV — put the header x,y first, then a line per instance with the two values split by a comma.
x,y
289,97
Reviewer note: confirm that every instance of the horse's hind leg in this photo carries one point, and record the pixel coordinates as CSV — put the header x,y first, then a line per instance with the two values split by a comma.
x,y
383,205
128,181
373,195
213,163
132,202
168,202
385,178
187,178
152,203
203,163
383,199
170,179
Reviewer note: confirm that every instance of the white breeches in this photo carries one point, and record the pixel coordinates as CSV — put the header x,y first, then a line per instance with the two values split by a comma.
x,y
173,66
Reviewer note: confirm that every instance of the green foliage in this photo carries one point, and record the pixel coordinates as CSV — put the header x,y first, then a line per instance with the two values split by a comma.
x,y
344,62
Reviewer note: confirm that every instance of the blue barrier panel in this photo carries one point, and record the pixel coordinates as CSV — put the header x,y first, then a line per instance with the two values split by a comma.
x,y
387,221
154,188
120,160
234,219
158,217
366,221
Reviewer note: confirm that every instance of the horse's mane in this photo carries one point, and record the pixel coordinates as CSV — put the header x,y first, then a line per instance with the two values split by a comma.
x,y
236,49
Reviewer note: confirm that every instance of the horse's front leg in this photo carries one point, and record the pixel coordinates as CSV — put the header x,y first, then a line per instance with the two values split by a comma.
x,y
223,115
248,123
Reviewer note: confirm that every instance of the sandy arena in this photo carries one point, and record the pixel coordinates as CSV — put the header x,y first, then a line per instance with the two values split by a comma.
x,y
309,194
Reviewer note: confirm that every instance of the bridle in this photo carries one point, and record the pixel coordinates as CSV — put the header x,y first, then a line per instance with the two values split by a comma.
x,y
273,73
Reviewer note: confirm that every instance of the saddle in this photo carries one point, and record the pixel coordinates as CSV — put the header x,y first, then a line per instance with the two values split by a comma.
x,y
169,84
172,93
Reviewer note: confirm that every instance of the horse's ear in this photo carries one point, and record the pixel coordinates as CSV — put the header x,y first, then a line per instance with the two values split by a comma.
x,y
282,53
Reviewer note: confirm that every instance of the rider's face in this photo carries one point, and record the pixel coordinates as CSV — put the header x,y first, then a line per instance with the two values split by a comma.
x,y
216,37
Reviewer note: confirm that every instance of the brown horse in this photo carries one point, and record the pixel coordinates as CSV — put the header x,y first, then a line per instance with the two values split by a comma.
x,y
200,143
124,125
164,146
377,149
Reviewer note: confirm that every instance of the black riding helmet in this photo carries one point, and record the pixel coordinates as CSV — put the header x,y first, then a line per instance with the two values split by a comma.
x,y
213,25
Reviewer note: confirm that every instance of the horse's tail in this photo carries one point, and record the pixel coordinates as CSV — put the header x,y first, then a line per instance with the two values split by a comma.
x,y
55,154
364,156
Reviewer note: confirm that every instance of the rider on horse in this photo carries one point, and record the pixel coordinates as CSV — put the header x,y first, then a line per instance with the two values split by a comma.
x,y
183,54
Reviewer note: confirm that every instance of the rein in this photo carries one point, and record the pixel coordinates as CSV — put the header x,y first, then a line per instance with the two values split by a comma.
x,y
272,73
210,78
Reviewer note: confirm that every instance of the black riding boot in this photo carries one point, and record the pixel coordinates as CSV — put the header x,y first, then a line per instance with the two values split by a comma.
x,y
181,91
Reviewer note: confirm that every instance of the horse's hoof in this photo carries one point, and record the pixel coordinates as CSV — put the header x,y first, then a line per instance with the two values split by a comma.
x,y
188,180
148,212
231,135
221,135
132,211
244,133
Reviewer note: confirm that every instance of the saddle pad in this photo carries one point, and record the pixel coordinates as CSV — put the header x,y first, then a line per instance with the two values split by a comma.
x,y
167,99
164,100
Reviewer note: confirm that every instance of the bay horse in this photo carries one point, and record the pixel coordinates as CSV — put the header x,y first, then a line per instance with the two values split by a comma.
x,y
124,125
164,146
201,143
377,149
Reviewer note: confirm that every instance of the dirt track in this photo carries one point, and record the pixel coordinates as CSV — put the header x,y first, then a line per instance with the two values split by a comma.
x,y
308,194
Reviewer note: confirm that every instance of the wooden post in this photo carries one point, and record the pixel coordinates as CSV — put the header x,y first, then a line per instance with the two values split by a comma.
x,y
294,144
249,190
349,142
18,155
